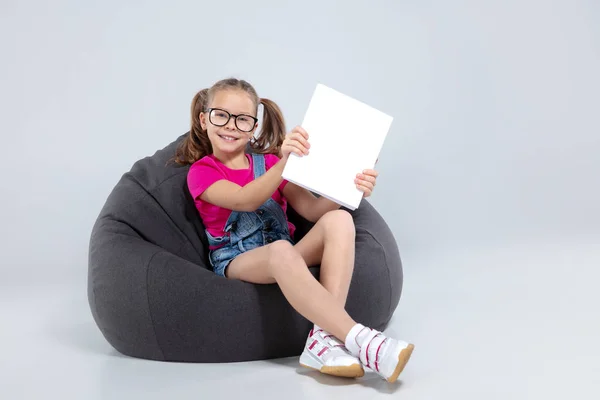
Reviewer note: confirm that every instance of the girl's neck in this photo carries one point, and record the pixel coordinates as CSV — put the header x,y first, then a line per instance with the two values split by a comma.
x,y
237,161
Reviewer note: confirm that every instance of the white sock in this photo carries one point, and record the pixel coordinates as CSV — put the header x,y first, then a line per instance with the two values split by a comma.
x,y
355,337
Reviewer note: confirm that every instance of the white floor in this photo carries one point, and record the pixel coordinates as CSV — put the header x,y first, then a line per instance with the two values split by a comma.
x,y
513,322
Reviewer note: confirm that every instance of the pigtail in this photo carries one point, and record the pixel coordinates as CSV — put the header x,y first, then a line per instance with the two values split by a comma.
x,y
272,133
196,144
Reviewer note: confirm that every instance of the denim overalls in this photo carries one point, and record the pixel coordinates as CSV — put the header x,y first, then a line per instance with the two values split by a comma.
x,y
247,230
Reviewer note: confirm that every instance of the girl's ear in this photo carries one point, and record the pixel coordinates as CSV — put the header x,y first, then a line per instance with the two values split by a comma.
x,y
203,121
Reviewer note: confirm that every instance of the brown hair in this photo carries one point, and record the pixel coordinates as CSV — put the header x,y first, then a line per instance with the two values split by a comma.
x,y
197,145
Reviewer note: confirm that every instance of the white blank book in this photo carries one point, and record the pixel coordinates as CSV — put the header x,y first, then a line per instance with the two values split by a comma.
x,y
346,137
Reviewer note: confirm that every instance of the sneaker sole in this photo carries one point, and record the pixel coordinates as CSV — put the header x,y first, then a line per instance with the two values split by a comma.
x,y
350,371
403,358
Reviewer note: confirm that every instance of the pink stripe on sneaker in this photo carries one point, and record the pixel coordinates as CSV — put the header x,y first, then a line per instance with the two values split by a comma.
x,y
371,341
312,345
322,351
377,355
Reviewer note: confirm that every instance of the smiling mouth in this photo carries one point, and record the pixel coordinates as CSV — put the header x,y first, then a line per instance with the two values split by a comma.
x,y
228,138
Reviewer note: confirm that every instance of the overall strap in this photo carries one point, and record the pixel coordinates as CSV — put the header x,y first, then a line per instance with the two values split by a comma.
x,y
259,165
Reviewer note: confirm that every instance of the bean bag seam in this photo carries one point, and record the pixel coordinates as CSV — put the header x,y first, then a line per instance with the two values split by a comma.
x,y
150,192
148,302
156,186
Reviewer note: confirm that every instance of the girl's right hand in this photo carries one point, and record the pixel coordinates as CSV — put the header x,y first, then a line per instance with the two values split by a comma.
x,y
295,142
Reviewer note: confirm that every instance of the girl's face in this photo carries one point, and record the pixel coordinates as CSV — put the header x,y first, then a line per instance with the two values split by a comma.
x,y
229,139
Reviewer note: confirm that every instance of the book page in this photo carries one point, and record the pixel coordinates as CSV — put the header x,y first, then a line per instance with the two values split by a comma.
x,y
346,137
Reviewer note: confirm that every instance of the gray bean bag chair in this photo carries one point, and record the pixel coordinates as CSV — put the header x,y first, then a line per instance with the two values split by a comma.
x,y
153,296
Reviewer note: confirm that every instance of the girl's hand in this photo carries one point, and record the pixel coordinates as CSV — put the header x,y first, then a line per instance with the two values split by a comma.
x,y
295,142
365,182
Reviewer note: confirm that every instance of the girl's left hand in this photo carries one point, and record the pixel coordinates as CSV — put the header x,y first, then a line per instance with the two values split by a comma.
x,y
365,182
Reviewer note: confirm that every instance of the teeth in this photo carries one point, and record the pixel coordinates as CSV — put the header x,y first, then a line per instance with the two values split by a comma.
x,y
229,138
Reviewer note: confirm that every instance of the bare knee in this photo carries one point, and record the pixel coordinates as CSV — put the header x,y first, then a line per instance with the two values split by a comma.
x,y
282,254
338,223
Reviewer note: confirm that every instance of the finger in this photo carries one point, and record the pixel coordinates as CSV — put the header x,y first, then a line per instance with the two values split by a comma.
x,y
301,139
367,185
366,178
364,182
294,151
299,131
366,191
303,149
302,131
298,144
297,149
371,172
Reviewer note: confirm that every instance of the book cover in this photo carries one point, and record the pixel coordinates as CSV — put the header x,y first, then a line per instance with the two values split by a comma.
x,y
346,137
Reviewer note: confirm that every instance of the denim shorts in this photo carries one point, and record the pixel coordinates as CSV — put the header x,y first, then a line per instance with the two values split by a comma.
x,y
222,256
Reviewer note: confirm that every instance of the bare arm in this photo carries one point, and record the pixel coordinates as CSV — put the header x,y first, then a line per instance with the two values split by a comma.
x,y
234,197
248,198
306,204
312,208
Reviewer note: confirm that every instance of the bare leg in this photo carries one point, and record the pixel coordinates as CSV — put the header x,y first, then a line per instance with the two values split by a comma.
x,y
331,243
282,263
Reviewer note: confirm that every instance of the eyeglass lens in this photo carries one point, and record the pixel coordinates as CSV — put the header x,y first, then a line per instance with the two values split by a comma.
x,y
221,118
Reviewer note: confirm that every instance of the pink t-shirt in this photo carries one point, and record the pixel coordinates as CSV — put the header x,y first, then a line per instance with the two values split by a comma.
x,y
208,170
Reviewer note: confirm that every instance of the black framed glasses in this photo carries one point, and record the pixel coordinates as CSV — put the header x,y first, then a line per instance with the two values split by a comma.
x,y
220,117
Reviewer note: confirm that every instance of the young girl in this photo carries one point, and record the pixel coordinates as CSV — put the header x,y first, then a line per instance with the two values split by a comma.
x,y
242,200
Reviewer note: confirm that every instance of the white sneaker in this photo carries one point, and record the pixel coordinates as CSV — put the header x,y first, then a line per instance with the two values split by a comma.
x,y
385,356
324,353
